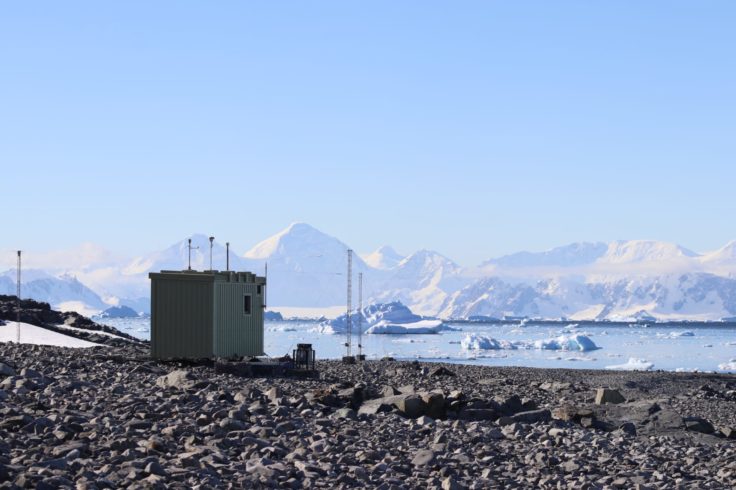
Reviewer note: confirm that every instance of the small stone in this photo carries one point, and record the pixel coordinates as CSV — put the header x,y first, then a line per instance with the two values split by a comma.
x,y
346,413
423,457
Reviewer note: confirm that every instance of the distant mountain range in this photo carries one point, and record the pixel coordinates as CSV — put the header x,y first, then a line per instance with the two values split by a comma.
x,y
307,268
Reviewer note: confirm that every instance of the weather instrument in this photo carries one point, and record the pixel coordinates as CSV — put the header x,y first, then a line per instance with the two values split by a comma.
x,y
190,248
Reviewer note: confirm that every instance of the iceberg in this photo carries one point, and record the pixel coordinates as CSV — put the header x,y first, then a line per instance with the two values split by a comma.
x,y
420,327
633,364
388,317
568,343
579,343
675,335
475,341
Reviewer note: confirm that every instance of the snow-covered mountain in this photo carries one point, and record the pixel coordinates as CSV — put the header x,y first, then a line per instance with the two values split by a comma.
x,y
696,296
176,257
64,292
383,258
575,254
423,280
306,268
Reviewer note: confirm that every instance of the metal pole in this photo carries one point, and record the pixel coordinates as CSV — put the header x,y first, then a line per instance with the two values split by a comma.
x,y
17,312
212,240
349,339
227,260
189,247
360,315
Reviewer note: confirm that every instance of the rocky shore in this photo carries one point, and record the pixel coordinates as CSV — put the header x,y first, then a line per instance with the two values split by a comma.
x,y
109,417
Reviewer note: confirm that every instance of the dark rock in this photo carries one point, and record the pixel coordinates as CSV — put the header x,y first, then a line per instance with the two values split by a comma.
x,y
532,416
606,395
441,371
698,424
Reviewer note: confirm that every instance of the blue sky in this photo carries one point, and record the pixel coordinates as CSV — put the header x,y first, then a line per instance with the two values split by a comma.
x,y
472,128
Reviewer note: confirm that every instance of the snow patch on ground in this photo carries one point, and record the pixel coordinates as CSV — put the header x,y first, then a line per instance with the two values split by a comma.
x,y
31,334
633,364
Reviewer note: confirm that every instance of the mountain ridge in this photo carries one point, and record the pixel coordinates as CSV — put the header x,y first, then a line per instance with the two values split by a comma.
x,y
307,269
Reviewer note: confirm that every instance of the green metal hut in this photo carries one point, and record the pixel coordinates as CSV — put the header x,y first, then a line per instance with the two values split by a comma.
x,y
206,314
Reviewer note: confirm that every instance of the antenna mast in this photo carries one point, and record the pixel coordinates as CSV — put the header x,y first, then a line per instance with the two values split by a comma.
x,y
361,357
190,248
212,241
227,254
17,310
349,324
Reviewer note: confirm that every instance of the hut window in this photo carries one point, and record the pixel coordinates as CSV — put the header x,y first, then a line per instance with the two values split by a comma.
x,y
259,289
246,304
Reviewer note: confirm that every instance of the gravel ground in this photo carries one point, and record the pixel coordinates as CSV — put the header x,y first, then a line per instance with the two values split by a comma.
x,y
109,417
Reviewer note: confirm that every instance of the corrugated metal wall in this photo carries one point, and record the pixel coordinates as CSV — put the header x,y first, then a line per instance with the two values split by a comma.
x,y
181,318
238,334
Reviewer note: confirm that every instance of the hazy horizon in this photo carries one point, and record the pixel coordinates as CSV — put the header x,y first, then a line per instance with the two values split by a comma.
x,y
476,129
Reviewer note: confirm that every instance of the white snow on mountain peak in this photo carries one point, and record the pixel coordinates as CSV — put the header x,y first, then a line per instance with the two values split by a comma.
x,y
297,235
574,254
176,257
306,268
636,251
725,253
384,257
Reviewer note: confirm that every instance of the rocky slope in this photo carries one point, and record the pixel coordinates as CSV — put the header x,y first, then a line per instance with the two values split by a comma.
x,y
112,418
42,315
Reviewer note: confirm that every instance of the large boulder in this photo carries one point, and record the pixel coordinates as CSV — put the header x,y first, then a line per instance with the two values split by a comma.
x,y
6,370
698,424
606,395
532,416
411,406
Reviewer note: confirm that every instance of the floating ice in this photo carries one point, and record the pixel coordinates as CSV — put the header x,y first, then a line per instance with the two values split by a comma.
x,y
476,341
675,335
420,327
564,342
282,328
633,364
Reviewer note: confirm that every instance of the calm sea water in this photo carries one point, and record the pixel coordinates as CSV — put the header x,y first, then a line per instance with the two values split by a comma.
x,y
666,347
